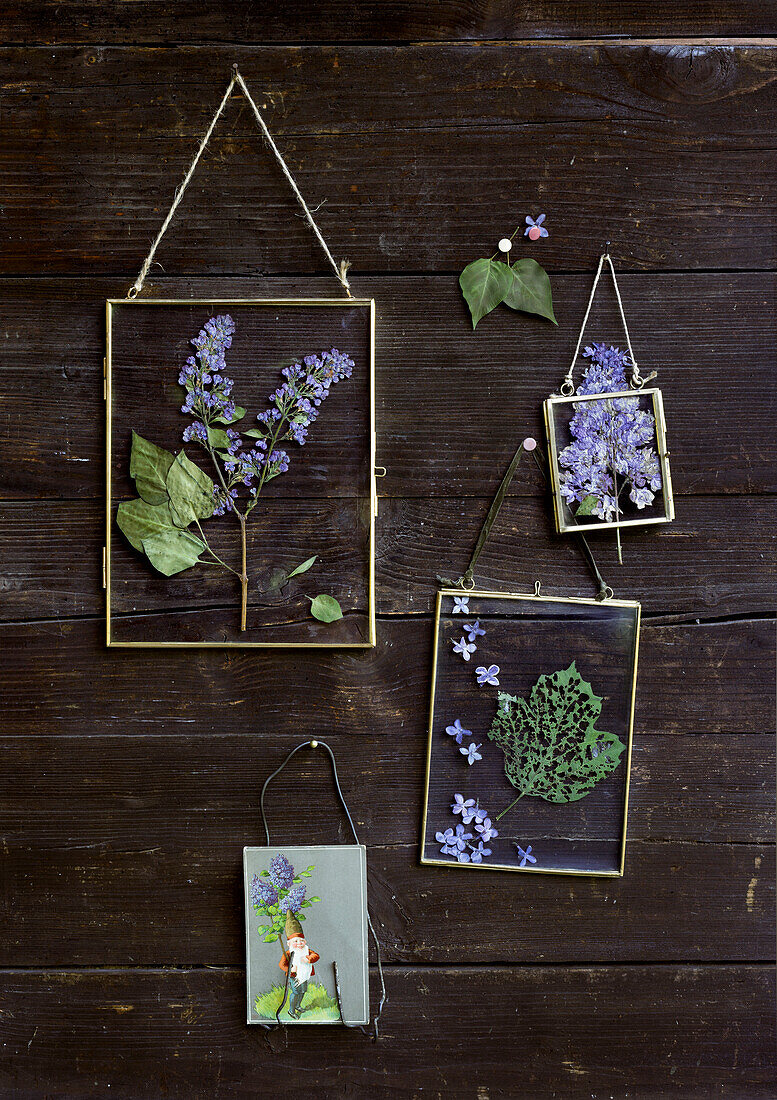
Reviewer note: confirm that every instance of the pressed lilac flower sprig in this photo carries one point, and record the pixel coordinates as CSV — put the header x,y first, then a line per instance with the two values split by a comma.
x,y
176,493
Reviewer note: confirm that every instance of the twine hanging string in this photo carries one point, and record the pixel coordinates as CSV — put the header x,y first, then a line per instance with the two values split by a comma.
x,y
637,381
340,269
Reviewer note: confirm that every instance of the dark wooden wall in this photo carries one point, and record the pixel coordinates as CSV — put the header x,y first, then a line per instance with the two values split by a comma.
x,y
130,780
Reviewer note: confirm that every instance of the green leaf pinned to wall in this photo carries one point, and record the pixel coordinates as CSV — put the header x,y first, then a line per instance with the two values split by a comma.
x,y
484,285
530,290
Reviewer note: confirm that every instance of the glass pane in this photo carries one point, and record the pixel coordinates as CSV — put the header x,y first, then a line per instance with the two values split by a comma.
x,y
522,643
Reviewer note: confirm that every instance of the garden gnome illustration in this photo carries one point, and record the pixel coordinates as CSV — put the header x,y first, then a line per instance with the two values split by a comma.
x,y
298,961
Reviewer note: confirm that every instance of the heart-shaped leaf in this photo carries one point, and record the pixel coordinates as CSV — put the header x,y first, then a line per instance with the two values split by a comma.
x,y
484,285
138,520
326,609
302,568
149,465
191,492
173,550
530,289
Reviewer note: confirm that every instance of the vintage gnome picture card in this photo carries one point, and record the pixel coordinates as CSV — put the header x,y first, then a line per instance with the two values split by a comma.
x,y
306,934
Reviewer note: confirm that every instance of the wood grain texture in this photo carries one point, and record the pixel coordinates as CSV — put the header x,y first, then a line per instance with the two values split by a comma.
x,y
425,156
452,405
416,540
130,780
169,814
707,677
250,21
181,1033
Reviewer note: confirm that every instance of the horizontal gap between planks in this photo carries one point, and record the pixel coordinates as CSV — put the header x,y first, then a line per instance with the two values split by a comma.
x,y
655,618
391,44
141,968
362,273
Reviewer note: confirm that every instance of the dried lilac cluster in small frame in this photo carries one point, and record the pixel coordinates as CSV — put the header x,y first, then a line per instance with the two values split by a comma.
x,y
612,443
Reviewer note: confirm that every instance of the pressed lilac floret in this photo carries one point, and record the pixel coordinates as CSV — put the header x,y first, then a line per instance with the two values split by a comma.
x,y
457,730
464,647
471,752
488,675
534,228
474,630
460,604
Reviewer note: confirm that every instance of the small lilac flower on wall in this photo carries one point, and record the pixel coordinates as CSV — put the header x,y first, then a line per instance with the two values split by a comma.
x,y
461,838
488,675
457,731
281,872
535,229
474,630
471,752
448,842
464,647
461,604
478,853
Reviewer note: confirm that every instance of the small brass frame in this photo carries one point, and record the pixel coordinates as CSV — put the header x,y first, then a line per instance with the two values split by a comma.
x,y
577,601
324,303
566,523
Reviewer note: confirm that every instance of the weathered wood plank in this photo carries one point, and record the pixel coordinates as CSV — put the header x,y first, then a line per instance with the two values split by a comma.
x,y
688,1032
452,405
93,826
712,677
416,539
110,21
428,183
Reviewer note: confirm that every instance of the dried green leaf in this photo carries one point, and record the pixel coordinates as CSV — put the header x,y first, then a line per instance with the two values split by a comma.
x,y
587,505
484,285
326,609
149,465
551,746
529,289
191,491
255,433
138,520
302,568
173,550
217,437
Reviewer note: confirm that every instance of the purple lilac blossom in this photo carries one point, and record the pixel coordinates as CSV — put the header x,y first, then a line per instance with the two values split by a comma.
x,y
295,898
448,842
479,852
471,752
281,872
526,856
610,440
487,675
486,830
463,647
457,731
463,806
263,894
474,630
461,604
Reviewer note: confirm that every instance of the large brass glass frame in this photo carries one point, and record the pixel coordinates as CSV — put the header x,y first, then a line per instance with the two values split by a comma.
x,y
487,865
323,303
566,523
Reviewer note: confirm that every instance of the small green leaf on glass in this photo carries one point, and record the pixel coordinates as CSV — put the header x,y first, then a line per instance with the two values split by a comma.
x,y
326,609
173,550
149,465
484,285
302,568
529,289
217,437
191,491
587,505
